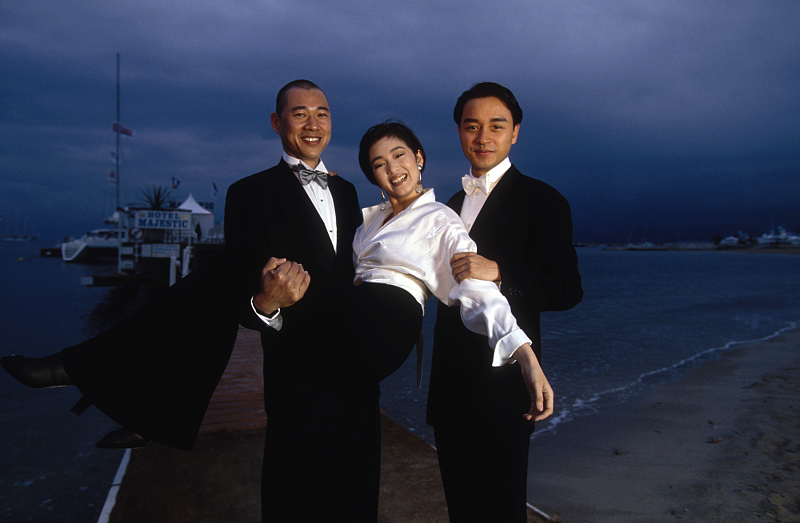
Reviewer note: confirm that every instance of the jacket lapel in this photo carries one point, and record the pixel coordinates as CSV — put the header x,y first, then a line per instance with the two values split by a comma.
x,y
498,208
457,201
347,214
304,217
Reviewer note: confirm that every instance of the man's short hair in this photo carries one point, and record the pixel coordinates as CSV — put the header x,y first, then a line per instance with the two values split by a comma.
x,y
486,90
281,100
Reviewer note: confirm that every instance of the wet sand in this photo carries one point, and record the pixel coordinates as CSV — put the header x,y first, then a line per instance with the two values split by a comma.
x,y
720,444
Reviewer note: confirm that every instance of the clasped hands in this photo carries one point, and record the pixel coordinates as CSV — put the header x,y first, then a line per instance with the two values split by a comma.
x,y
472,265
283,283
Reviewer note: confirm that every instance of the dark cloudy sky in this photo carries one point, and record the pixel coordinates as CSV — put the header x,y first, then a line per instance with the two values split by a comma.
x,y
670,120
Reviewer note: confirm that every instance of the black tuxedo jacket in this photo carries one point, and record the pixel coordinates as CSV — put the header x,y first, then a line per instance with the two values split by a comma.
x,y
526,227
269,214
155,371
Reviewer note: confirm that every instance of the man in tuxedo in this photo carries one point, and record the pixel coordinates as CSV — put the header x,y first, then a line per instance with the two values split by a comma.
x,y
523,229
155,371
322,449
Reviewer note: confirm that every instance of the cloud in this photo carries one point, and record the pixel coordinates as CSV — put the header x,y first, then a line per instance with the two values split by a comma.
x,y
629,106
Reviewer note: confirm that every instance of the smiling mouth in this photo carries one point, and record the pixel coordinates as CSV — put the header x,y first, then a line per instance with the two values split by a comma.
x,y
399,179
311,140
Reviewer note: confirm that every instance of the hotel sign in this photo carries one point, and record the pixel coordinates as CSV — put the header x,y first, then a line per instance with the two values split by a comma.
x,y
174,220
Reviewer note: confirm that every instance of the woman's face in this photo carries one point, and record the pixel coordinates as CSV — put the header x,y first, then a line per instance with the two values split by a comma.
x,y
394,166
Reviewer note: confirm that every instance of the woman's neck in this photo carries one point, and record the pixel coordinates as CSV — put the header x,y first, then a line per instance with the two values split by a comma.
x,y
398,207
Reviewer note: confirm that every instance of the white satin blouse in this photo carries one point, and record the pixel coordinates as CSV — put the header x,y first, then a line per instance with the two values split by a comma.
x,y
413,251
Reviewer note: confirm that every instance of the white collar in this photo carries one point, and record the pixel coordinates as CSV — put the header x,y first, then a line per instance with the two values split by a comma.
x,y
495,173
292,161
374,213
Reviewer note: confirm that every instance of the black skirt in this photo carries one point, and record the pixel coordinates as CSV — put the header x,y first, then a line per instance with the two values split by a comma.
x,y
154,372
374,325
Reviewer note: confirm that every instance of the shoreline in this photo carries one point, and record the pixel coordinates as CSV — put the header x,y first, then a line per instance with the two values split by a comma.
x,y
692,247
718,444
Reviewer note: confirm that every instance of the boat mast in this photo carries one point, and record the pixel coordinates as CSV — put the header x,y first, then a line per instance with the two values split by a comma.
x,y
116,179
116,155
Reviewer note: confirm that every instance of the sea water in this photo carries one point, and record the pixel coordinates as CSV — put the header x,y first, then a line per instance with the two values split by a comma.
x,y
50,469
646,317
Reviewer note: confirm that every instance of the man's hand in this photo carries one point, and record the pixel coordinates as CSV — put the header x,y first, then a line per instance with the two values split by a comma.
x,y
472,265
538,386
283,283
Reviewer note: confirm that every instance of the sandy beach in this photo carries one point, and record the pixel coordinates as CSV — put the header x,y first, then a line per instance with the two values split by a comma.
x,y
721,444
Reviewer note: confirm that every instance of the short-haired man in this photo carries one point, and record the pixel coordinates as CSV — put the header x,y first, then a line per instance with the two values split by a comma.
x,y
155,372
322,450
523,229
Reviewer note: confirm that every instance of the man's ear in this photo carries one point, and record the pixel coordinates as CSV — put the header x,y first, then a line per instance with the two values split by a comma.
x,y
275,120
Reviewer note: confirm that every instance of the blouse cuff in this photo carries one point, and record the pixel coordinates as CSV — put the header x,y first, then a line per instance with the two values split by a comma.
x,y
507,345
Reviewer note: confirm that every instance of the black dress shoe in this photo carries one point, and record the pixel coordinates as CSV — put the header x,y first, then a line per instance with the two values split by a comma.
x,y
37,373
122,439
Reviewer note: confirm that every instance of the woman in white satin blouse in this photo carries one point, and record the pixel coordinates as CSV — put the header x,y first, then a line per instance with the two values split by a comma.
x,y
402,255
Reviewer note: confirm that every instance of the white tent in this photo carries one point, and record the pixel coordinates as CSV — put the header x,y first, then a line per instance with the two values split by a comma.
x,y
200,216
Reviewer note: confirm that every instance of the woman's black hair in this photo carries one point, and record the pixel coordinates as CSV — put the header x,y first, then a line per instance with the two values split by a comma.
x,y
389,128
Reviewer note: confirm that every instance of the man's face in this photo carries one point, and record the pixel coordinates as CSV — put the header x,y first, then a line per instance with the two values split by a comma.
x,y
487,132
304,125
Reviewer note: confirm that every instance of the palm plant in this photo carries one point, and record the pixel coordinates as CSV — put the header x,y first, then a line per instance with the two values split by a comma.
x,y
156,197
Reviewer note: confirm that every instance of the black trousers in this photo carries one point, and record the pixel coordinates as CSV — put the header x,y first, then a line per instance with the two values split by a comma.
x,y
484,466
322,450
322,455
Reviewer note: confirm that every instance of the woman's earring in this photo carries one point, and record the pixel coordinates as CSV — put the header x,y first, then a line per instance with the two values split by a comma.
x,y
419,183
383,202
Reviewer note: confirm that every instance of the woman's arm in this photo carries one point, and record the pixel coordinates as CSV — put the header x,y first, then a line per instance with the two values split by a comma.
x,y
484,310
539,388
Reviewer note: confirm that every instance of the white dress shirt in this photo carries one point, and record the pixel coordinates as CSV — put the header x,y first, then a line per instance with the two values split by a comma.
x,y
413,251
473,202
321,198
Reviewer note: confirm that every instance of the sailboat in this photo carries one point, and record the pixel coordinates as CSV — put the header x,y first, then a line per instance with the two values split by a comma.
x,y
19,234
102,244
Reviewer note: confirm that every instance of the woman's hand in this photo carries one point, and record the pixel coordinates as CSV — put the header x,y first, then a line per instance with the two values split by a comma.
x,y
538,386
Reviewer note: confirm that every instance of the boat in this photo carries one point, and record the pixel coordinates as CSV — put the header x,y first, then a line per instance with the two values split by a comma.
x,y
102,244
18,238
16,233
778,237
96,245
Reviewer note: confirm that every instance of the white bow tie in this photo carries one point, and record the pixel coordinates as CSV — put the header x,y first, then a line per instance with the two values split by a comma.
x,y
470,184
